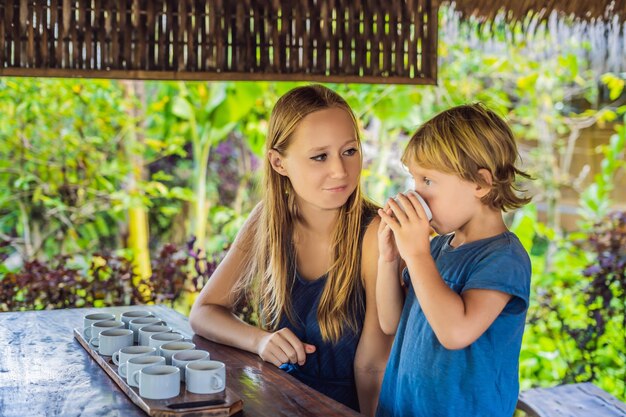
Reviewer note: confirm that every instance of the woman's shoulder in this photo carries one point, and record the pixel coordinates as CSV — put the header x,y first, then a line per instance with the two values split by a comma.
x,y
370,211
249,228
369,253
371,230
369,241
371,220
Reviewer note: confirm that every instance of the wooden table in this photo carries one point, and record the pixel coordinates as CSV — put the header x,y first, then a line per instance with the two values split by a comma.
x,y
570,400
45,372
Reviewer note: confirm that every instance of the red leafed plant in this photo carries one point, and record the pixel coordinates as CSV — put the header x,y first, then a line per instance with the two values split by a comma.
x,y
109,281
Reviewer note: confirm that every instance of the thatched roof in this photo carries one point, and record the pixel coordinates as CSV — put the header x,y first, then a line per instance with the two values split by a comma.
x,y
598,27
393,41
519,10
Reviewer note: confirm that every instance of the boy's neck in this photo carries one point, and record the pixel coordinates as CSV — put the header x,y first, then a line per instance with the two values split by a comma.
x,y
486,224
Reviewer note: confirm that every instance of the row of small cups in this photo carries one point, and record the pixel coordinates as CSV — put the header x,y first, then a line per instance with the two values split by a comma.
x,y
95,323
116,338
156,380
125,318
108,335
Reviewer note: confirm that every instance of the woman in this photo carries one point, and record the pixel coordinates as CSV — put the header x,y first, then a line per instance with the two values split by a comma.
x,y
307,257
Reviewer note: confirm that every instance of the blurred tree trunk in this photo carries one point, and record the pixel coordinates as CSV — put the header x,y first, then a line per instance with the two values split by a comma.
x,y
138,229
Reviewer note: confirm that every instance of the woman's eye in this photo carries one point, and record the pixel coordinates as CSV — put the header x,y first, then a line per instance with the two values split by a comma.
x,y
350,152
427,181
319,158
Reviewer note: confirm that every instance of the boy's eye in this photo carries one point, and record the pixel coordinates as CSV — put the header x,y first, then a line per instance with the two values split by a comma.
x,y
427,181
319,158
350,152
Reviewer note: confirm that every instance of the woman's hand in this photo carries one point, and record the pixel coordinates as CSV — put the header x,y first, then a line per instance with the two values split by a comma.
x,y
283,346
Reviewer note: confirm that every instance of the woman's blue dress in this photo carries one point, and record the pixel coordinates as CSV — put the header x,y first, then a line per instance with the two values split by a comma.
x,y
330,369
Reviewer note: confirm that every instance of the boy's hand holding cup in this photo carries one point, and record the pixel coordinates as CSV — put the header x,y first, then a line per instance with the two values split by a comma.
x,y
408,216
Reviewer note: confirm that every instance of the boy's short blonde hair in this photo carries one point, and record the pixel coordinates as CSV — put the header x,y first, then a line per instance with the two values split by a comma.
x,y
464,139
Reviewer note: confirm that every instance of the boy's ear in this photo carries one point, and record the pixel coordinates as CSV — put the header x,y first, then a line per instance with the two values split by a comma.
x,y
276,161
482,189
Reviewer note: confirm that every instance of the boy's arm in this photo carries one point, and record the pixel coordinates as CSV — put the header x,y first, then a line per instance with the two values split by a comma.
x,y
389,293
457,320
389,296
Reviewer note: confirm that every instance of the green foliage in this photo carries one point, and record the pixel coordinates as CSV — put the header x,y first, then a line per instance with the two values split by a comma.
x,y
596,199
576,328
59,170
205,114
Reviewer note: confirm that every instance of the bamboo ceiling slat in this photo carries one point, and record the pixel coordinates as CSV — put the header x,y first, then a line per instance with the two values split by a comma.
x,y
317,40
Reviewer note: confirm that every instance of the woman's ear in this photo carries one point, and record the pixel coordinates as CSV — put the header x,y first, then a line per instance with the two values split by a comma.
x,y
276,161
484,187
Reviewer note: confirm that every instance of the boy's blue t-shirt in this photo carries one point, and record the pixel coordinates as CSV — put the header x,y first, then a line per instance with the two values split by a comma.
x,y
425,379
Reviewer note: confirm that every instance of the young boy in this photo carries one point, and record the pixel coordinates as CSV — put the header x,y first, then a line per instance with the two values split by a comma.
x,y
459,327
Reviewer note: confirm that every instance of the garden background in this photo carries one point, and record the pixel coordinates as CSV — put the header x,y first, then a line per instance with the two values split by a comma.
x,y
123,192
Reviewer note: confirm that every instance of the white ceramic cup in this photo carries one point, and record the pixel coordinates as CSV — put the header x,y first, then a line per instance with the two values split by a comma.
x,y
157,382
110,341
181,358
429,214
157,339
127,316
135,364
168,349
136,324
125,353
99,326
90,319
146,331
205,377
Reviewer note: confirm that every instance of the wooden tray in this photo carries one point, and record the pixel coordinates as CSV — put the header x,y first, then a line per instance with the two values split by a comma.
x,y
186,404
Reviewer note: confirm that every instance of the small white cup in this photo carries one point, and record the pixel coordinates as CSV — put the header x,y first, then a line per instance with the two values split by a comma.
x,y
146,331
181,358
135,364
99,326
168,349
157,382
127,316
136,324
205,377
125,353
157,339
110,341
90,319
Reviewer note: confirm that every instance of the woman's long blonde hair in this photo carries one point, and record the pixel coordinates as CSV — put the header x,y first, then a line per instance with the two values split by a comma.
x,y
271,269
